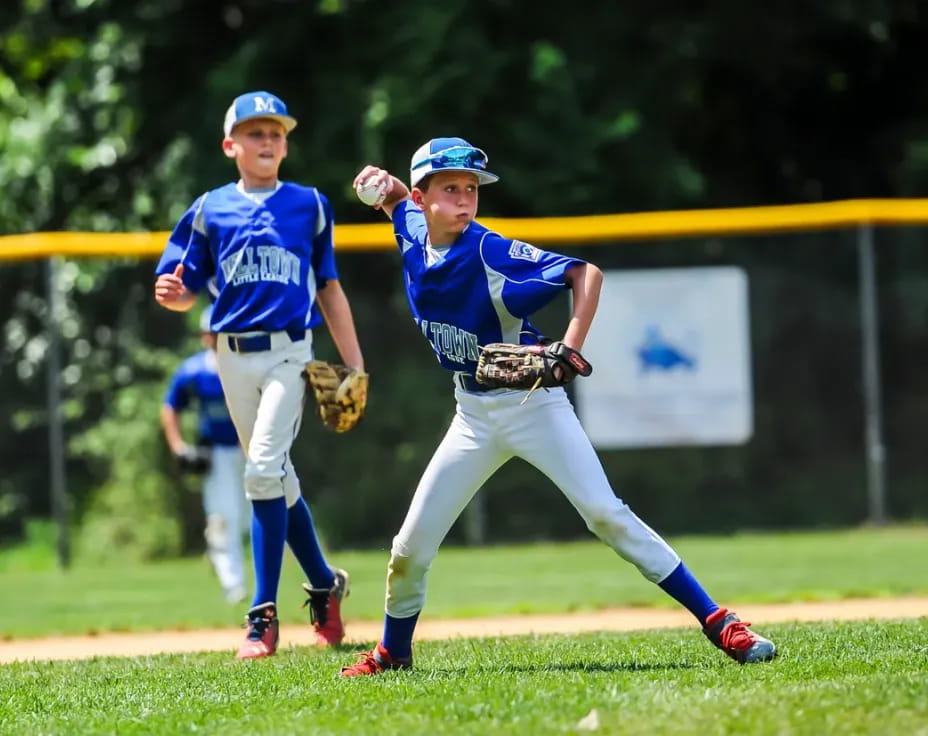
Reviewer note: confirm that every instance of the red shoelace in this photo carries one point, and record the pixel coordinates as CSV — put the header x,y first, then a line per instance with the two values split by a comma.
x,y
737,637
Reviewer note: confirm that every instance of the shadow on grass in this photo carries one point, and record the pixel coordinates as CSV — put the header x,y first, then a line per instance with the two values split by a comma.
x,y
566,667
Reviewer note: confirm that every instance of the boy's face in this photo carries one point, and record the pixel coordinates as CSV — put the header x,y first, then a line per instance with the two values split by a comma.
x,y
258,147
449,203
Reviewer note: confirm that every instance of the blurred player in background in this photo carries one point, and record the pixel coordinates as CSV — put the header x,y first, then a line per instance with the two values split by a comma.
x,y
469,287
264,248
216,453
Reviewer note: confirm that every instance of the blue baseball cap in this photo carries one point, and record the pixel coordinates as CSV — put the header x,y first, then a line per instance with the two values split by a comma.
x,y
449,154
257,105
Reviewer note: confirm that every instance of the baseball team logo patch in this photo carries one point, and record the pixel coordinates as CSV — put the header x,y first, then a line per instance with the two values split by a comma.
x,y
526,252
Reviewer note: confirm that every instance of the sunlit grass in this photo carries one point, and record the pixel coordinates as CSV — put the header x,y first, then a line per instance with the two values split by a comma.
x,y
858,678
540,578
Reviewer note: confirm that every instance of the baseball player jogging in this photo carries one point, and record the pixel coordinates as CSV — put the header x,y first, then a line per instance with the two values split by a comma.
x,y
216,455
472,292
264,248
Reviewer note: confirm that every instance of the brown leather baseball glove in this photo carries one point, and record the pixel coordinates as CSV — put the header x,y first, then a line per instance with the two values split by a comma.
x,y
341,394
506,365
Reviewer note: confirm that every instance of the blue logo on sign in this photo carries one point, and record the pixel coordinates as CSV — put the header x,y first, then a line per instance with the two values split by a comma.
x,y
658,353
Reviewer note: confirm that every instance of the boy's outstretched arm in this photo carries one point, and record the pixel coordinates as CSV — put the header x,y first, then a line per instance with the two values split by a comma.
x,y
394,190
337,313
586,282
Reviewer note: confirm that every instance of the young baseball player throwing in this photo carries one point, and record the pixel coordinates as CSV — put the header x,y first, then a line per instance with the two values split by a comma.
x,y
216,454
471,289
264,249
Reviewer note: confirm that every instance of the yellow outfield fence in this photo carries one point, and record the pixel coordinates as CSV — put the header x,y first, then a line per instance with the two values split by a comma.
x,y
538,230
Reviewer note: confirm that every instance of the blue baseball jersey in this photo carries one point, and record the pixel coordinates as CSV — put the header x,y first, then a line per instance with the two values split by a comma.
x,y
481,289
196,381
262,258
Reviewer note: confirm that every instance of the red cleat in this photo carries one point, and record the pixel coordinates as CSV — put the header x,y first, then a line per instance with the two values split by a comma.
x,y
325,612
732,635
263,632
376,661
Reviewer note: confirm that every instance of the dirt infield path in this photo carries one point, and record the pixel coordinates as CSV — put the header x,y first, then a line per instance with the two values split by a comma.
x,y
365,632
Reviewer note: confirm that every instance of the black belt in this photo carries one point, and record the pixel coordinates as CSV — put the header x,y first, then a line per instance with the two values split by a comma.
x,y
259,343
466,382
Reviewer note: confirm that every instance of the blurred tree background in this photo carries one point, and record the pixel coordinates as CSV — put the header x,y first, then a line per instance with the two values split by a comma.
x,y
110,120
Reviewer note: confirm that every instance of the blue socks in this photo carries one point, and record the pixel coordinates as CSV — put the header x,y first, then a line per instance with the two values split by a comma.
x,y
272,526
301,536
268,534
397,635
683,587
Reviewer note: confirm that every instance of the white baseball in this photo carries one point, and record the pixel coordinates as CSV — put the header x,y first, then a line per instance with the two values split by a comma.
x,y
370,193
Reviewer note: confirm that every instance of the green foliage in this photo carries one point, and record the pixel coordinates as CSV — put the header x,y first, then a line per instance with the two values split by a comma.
x,y
621,109
135,510
35,552
854,678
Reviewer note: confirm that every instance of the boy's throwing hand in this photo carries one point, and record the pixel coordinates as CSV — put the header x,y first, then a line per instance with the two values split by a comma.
x,y
170,291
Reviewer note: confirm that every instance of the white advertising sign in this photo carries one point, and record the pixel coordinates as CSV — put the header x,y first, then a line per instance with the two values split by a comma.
x,y
671,359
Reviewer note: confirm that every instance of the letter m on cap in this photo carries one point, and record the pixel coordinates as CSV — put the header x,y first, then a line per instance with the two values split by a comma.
x,y
264,104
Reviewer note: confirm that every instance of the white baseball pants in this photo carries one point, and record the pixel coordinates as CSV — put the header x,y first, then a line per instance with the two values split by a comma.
x,y
227,515
265,393
487,430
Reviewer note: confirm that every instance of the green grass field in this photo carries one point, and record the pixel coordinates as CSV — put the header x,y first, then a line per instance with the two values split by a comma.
x,y
831,678
862,678
542,578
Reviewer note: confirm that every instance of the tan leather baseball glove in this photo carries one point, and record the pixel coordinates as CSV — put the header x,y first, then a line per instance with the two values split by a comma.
x,y
341,394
